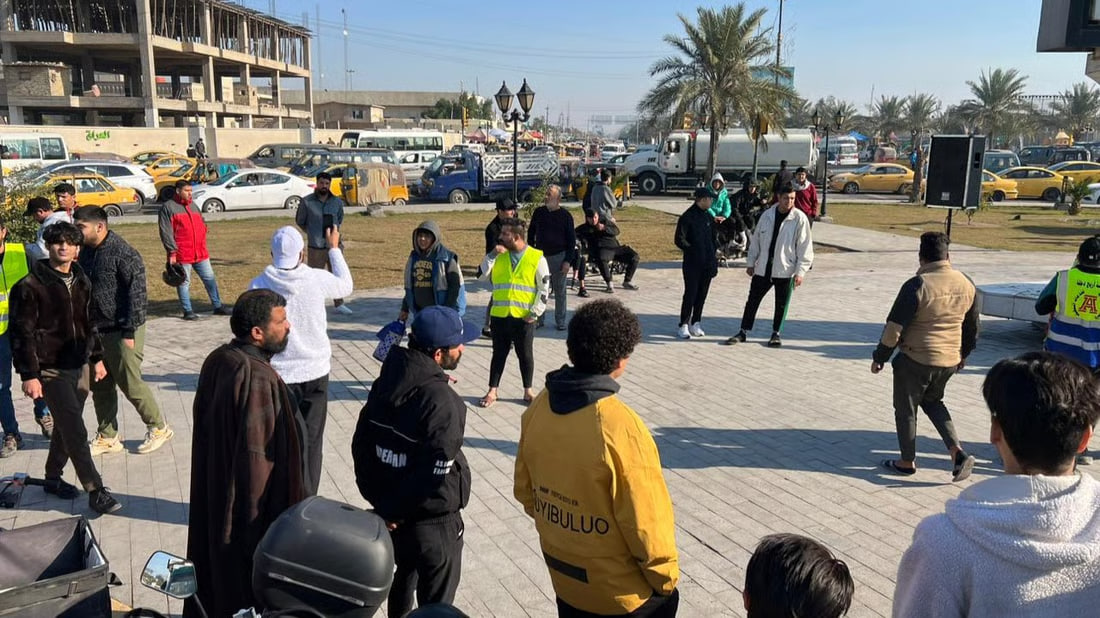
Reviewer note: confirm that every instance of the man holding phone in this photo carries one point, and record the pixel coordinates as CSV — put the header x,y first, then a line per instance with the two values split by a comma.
x,y
317,213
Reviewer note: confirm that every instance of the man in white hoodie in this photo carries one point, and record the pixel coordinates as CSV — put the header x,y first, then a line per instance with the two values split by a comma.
x,y
306,362
1026,543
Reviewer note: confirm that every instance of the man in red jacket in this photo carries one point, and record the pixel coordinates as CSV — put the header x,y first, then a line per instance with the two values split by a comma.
x,y
805,194
183,234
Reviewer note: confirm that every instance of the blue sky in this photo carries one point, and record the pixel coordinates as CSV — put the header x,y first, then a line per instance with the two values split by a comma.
x,y
592,58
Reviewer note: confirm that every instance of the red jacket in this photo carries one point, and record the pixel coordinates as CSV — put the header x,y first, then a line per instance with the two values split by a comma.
x,y
183,232
806,200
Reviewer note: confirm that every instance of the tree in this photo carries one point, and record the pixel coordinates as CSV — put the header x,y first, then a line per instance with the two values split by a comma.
x,y
830,105
951,120
799,114
452,108
887,116
919,111
996,102
723,66
1077,109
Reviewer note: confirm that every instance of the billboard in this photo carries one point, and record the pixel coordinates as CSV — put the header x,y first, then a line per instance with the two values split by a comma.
x,y
762,73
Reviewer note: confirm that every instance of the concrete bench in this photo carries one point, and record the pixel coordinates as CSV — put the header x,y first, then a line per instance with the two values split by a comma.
x,y
1014,301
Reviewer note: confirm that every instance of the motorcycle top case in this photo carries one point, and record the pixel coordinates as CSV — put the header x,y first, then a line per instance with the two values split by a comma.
x,y
327,556
52,569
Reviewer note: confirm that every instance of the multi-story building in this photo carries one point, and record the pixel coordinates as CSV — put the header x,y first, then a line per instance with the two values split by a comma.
x,y
363,109
150,63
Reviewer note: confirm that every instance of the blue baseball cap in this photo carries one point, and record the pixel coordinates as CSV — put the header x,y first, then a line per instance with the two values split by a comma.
x,y
442,327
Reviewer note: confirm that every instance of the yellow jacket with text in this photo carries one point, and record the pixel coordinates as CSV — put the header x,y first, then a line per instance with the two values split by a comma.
x,y
588,472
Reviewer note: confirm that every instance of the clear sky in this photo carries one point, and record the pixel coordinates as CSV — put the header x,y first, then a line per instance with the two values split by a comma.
x,y
592,58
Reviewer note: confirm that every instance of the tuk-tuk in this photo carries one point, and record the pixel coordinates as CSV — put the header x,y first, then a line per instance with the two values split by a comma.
x,y
199,172
569,175
364,184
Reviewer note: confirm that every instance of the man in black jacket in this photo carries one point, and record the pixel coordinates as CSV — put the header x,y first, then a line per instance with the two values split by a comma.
x,y
695,236
506,209
119,300
53,341
407,452
551,231
599,239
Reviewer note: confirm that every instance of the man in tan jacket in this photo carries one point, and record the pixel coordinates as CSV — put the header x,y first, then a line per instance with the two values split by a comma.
x,y
934,321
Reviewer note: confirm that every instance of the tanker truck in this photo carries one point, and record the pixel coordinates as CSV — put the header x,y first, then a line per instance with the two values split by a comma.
x,y
681,161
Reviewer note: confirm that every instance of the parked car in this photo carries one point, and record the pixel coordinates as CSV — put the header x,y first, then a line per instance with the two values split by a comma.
x,y
129,175
98,156
1078,170
251,188
1035,155
200,172
167,165
997,188
1035,182
997,160
414,163
95,190
888,177
277,155
1041,156
146,157
1094,194
1072,153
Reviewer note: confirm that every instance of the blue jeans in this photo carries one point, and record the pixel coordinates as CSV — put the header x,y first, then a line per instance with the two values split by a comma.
x,y
7,408
206,273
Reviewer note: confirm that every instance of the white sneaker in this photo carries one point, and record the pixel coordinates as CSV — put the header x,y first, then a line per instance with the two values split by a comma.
x,y
697,330
343,309
154,439
102,445
683,332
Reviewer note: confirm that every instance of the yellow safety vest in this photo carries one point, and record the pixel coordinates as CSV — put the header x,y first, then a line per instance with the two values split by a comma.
x,y
1077,296
15,268
514,290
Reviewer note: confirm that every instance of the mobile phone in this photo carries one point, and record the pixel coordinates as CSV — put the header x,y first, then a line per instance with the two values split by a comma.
x,y
329,221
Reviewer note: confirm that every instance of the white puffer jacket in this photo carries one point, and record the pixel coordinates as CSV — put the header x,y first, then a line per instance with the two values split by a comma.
x,y
794,250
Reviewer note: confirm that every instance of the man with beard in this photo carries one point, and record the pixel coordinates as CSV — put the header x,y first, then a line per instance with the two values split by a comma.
x,y
183,234
246,458
408,458
317,212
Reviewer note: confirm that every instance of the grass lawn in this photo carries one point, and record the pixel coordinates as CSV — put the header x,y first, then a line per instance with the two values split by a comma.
x,y
1018,228
376,248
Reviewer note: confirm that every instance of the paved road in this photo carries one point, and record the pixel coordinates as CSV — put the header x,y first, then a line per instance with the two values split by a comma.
x,y
753,440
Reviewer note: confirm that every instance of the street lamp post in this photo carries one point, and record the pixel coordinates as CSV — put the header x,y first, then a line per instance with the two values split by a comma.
x,y
526,98
838,120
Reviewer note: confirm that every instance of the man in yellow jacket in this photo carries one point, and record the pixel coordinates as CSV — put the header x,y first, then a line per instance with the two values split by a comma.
x,y
600,506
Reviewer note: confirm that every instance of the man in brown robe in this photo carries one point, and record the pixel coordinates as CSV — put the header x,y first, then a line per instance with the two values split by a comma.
x,y
246,459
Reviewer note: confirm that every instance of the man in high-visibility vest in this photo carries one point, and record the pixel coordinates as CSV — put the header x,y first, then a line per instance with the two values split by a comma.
x,y
521,287
1071,299
13,257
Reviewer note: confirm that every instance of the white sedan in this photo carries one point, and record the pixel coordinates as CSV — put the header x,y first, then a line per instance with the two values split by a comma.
x,y
251,188
1094,194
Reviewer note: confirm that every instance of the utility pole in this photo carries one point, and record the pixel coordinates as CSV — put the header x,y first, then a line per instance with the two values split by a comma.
x,y
347,72
757,130
317,35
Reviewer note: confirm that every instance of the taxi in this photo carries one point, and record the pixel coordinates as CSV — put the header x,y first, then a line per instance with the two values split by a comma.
x,y
167,165
1079,171
877,177
997,188
1035,182
95,190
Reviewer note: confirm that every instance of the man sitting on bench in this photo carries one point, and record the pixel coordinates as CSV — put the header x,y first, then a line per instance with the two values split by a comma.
x,y
599,243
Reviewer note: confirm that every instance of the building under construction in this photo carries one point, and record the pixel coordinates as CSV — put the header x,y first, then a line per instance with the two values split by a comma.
x,y
150,62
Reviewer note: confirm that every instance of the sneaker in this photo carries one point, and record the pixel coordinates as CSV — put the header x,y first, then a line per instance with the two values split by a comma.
x,y
964,464
562,327
610,289
102,445
683,332
222,310
583,292
343,310
740,337
630,285
487,332
1082,460
12,442
46,424
60,488
697,330
154,439
775,341
101,501
190,316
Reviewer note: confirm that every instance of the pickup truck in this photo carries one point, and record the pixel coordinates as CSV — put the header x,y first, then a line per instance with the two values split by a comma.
x,y
470,176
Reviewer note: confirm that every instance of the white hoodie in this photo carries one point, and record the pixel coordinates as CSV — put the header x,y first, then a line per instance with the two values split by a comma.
x,y
308,355
1014,545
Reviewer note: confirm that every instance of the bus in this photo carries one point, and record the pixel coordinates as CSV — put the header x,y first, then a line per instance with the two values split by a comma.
x,y
396,140
843,150
20,150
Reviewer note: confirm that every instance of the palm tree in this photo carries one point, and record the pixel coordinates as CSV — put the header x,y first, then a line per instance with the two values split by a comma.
x,y
886,116
919,110
724,65
996,100
830,105
951,119
799,114
1077,109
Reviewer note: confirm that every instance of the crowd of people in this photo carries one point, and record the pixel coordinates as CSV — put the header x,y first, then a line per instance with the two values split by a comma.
x,y
1022,543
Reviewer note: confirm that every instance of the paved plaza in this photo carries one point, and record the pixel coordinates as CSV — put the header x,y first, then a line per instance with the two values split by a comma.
x,y
753,440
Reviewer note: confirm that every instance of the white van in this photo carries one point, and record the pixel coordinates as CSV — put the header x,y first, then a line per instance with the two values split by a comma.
x,y
610,150
20,150
414,163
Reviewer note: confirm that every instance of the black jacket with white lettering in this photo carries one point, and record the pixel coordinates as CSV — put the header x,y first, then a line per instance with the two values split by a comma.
x,y
407,445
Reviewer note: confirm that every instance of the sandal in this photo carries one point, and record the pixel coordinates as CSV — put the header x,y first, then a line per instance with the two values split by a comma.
x,y
892,465
487,401
528,398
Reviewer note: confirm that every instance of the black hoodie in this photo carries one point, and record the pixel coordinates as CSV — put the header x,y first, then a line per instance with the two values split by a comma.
x,y
407,445
570,390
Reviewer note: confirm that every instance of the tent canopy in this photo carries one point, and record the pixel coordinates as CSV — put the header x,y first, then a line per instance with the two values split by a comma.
x,y
859,136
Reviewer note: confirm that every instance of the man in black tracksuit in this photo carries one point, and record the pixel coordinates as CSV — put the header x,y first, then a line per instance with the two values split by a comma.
x,y
408,458
551,231
598,239
695,236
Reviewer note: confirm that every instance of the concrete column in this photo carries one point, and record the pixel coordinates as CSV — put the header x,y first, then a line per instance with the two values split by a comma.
x,y
243,42
148,67
15,115
307,63
87,71
7,24
205,29
209,80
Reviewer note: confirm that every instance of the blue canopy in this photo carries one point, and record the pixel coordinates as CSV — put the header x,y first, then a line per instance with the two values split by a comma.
x,y
859,136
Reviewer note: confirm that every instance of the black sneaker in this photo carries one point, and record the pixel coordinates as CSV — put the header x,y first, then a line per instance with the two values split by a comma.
x,y
190,316
487,332
740,337
61,489
101,501
630,285
775,341
583,293
222,310
964,465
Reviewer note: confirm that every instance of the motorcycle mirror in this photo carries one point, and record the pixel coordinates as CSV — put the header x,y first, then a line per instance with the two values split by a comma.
x,y
172,575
